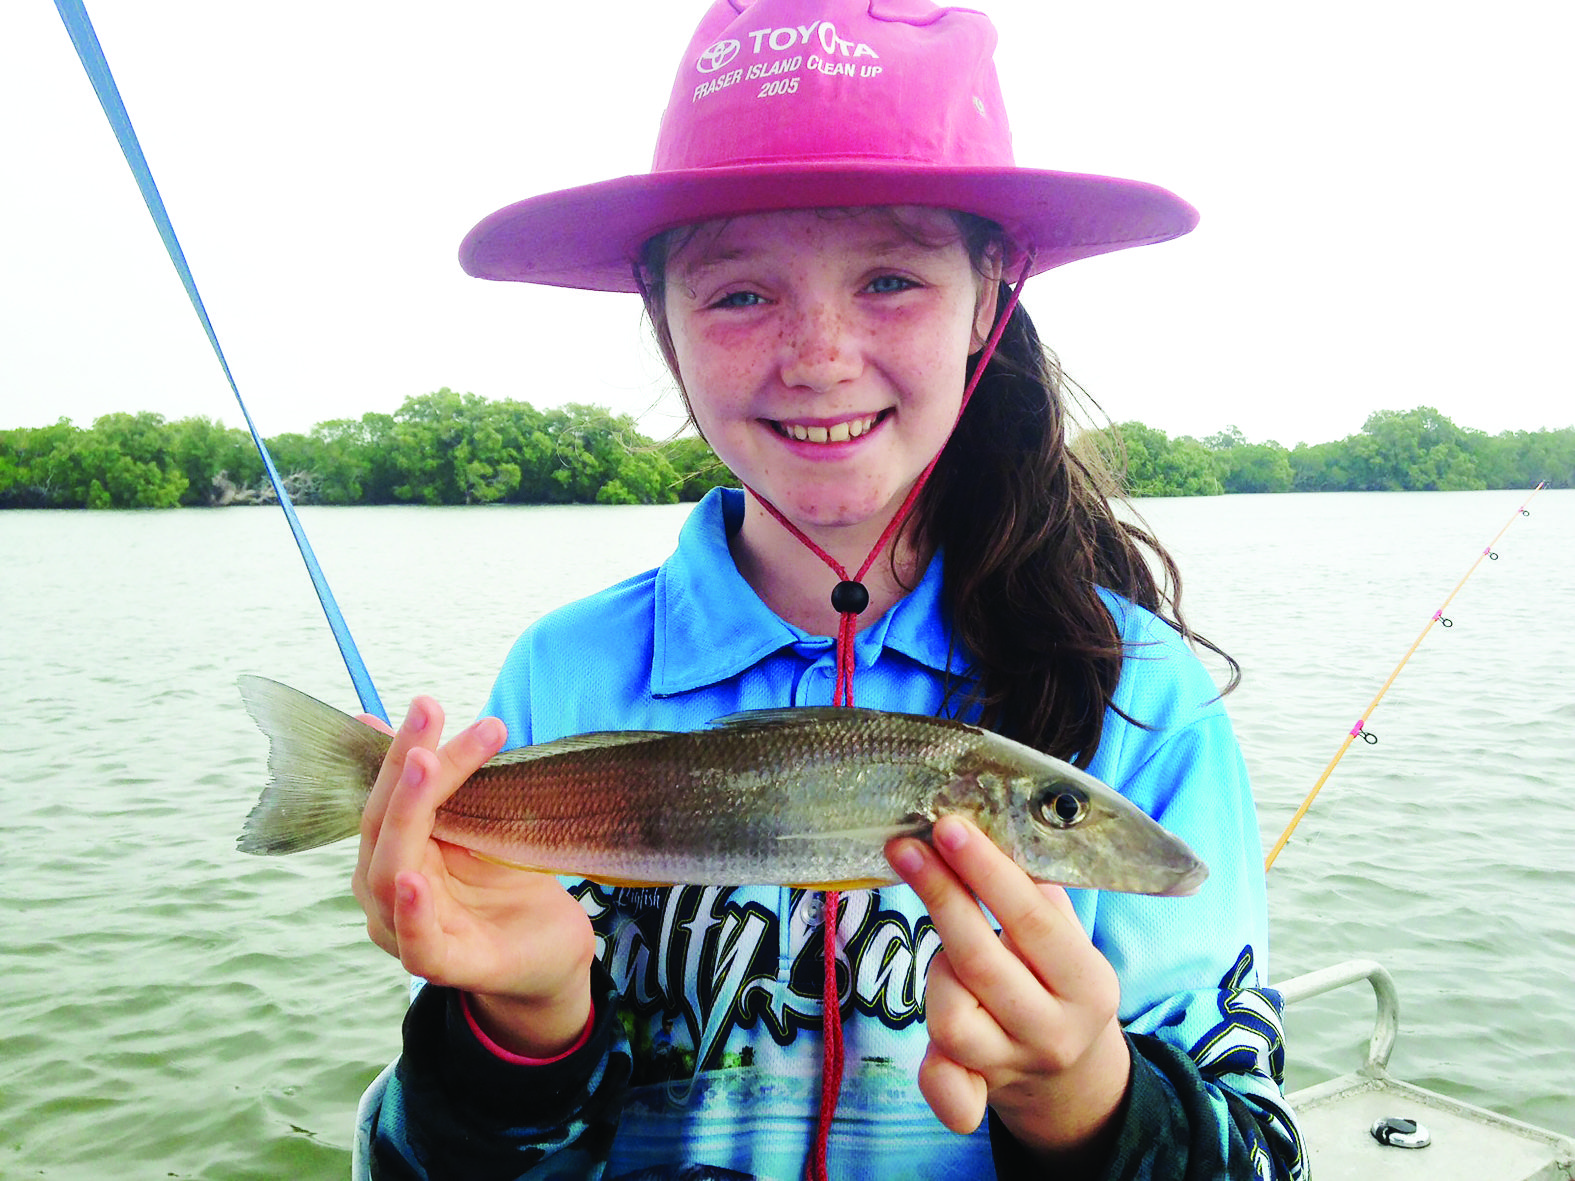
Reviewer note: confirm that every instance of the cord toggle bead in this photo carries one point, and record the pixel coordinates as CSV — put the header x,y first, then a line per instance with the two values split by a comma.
x,y
849,597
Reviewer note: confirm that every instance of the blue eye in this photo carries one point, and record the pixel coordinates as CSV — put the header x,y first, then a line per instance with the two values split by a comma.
x,y
888,284
739,299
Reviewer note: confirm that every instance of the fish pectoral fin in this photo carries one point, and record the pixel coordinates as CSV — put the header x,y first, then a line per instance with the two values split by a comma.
x,y
918,826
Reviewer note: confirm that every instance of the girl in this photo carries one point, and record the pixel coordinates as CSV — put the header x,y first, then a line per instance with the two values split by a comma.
x,y
829,247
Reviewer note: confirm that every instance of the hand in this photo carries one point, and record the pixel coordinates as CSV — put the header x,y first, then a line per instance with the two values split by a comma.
x,y
1024,1021
515,940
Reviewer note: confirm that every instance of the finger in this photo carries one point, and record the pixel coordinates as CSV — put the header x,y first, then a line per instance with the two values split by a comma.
x,y
1037,921
463,755
423,725
958,1025
988,970
1058,949
416,930
1013,897
955,1094
427,781
402,839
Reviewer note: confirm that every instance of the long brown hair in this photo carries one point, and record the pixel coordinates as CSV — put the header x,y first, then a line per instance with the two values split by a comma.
x,y
1030,533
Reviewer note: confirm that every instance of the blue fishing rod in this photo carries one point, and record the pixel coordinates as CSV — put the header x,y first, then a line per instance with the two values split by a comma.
x,y
80,29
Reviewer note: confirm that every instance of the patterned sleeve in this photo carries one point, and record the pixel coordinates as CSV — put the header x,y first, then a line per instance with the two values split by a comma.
x,y
1208,1103
453,1110
1186,1123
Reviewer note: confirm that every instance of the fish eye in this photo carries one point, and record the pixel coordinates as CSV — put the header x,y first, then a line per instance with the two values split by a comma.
x,y
1061,806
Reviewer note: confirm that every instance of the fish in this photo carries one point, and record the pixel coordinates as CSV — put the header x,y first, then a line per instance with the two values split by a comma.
x,y
804,796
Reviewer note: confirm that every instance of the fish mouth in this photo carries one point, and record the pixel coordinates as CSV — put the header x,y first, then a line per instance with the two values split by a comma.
x,y
844,431
1189,881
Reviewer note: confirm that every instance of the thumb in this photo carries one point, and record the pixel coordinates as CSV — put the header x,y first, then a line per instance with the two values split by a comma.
x,y
956,1094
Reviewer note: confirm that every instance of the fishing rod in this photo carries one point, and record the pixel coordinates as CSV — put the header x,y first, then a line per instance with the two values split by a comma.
x,y
1360,729
74,16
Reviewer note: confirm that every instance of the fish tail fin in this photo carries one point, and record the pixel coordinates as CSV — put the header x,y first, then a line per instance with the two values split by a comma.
x,y
321,765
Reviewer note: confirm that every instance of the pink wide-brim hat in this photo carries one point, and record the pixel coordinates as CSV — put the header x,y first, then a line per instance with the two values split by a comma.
x,y
805,104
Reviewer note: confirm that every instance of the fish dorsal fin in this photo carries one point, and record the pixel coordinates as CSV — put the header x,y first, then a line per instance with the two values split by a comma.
x,y
600,740
788,715
799,715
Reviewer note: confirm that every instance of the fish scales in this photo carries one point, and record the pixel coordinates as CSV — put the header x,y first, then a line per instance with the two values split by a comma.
x,y
670,804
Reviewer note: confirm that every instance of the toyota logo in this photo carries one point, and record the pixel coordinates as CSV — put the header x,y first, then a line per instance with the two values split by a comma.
x,y
717,56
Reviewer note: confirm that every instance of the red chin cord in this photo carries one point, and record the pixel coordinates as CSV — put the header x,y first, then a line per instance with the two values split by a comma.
x,y
848,598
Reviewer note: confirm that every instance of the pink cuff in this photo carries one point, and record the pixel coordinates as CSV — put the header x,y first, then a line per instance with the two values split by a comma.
x,y
498,1051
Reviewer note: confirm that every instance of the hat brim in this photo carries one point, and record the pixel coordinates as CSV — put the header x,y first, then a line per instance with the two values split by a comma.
x,y
590,237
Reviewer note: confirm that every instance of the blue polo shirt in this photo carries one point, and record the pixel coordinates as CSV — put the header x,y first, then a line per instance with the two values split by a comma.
x,y
714,1032
690,641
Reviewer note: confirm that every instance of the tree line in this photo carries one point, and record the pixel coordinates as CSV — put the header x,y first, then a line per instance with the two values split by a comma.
x,y
438,448
449,448
1418,450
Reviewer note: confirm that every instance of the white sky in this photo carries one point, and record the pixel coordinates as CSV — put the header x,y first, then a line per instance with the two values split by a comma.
x,y
1384,184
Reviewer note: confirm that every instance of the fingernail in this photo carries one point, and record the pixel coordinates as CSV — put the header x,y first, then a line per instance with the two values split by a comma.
x,y
416,718
950,833
413,773
907,858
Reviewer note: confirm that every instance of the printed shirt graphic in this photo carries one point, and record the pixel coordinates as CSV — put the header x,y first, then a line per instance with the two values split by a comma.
x,y
707,1058
720,1002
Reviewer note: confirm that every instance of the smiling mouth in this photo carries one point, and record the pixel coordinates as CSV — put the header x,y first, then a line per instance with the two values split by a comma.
x,y
840,432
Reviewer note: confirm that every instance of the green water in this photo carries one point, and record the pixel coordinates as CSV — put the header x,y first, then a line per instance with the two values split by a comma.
x,y
177,1009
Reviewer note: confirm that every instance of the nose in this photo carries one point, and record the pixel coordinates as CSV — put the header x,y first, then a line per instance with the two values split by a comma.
x,y
819,347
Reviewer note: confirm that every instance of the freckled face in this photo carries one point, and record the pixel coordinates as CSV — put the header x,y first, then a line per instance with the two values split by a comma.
x,y
824,356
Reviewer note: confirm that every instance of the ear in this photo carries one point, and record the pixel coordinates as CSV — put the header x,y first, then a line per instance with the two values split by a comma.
x,y
988,279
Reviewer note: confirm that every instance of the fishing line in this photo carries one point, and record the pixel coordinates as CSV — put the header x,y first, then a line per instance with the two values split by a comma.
x,y
74,16
1360,729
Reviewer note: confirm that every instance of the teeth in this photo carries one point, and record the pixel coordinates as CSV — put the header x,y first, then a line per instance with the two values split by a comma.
x,y
840,433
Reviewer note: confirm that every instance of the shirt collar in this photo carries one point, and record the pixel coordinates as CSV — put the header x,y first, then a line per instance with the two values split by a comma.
x,y
710,624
